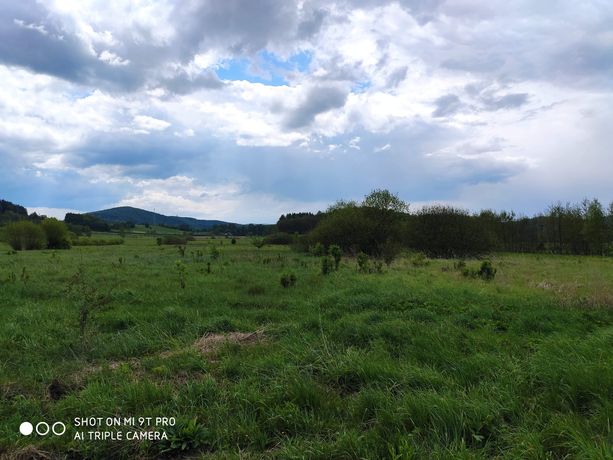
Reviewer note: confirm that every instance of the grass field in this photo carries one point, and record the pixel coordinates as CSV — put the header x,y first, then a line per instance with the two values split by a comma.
x,y
414,362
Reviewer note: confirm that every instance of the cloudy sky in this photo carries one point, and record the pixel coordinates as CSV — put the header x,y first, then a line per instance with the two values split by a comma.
x,y
242,110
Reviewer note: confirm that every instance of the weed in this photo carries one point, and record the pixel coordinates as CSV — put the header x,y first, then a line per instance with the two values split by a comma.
x,y
288,280
214,253
184,437
25,276
182,272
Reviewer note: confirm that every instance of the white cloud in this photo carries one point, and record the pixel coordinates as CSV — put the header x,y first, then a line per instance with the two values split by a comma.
x,y
147,123
112,59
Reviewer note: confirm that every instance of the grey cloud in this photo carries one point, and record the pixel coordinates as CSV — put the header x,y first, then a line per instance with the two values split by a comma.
x,y
184,84
55,52
318,99
397,76
508,101
234,27
447,105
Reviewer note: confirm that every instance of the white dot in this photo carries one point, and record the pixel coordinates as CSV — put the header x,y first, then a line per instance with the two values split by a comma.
x,y
26,428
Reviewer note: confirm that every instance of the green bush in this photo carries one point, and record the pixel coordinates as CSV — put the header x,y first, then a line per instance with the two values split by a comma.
x,y
317,250
336,252
487,272
25,235
288,280
327,265
56,233
363,263
174,239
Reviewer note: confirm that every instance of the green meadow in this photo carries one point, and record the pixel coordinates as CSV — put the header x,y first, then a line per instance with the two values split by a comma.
x,y
415,361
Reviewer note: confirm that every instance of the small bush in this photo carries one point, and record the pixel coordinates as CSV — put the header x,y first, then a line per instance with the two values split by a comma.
x,y
174,239
214,253
288,280
327,265
460,265
487,271
25,235
233,241
317,250
258,242
336,252
363,263
420,260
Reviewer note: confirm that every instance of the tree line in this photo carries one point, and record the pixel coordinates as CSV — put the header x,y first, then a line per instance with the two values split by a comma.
x,y
381,225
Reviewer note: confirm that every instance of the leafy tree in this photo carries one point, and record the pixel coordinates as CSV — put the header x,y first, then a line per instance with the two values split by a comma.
x,y
25,235
56,233
595,227
385,200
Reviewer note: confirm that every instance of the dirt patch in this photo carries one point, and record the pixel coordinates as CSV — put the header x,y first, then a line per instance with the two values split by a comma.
x,y
212,342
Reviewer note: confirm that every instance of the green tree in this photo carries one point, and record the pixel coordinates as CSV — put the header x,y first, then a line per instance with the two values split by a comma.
x,y
595,227
56,233
385,200
25,235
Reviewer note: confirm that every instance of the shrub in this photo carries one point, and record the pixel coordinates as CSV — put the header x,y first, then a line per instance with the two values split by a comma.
x,y
233,241
317,250
460,265
174,239
25,235
363,263
56,233
390,250
487,272
336,252
420,260
288,280
279,238
258,242
214,253
327,265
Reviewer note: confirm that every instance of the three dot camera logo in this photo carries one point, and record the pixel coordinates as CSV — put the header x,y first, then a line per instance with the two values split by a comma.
x,y
43,428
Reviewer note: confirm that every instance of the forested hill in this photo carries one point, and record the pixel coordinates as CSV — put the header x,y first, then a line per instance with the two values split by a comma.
x,y
141,216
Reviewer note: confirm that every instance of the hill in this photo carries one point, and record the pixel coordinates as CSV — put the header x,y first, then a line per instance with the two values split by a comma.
x,y
141,216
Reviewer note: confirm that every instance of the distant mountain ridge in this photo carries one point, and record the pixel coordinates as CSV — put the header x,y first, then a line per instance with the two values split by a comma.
x,y
141,216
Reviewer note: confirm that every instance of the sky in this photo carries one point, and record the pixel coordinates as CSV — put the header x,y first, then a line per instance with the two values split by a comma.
x,y
244,110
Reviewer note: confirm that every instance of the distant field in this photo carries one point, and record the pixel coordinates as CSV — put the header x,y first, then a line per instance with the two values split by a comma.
x,y
415,362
